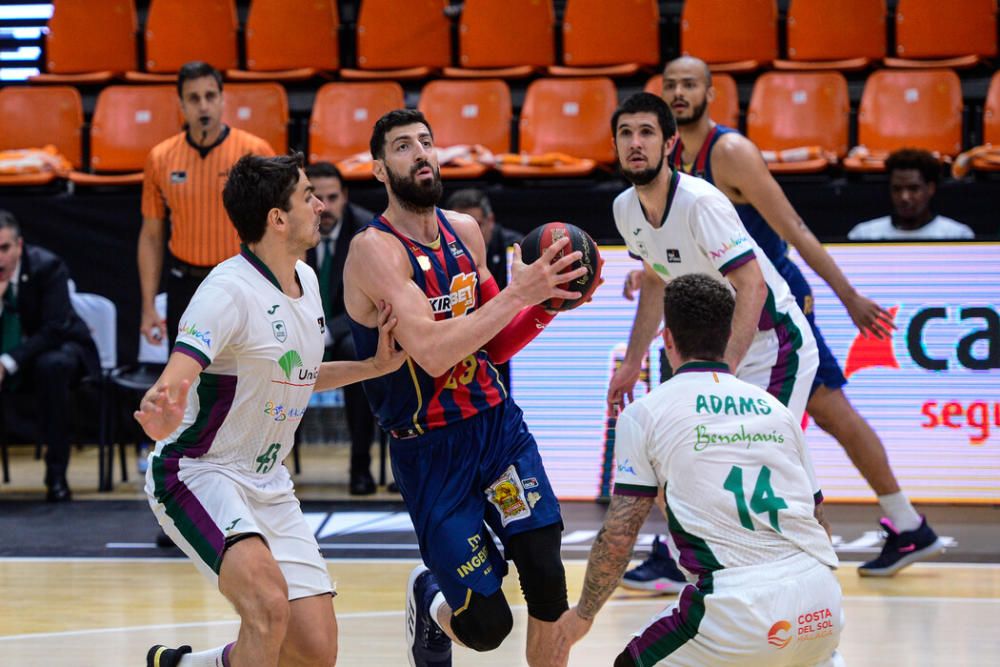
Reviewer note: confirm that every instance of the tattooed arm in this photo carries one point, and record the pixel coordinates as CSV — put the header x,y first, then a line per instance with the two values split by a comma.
x,y
608,559
611,551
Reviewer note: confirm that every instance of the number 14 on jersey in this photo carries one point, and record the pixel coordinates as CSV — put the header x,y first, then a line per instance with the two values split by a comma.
x,y
763,500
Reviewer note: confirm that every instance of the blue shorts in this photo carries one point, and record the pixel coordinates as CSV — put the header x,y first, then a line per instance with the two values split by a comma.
x,y
485,469
829,373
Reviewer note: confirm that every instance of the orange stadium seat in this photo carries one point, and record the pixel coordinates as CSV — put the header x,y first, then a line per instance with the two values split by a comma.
x,y
916,108
401,40
342,119
89,41
794,111
730,36
930,33
261,109
272,52
509,40
36,117
601,38
468,113
725,110
991,112
128,121
179,31
848,39
564,117
991,128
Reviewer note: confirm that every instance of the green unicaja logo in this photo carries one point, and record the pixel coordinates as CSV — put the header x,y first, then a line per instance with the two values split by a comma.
x,y
289,361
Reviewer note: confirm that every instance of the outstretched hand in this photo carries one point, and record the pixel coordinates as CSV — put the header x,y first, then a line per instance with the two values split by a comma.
x,y
387,357
869,317
622,386
161,410
632,285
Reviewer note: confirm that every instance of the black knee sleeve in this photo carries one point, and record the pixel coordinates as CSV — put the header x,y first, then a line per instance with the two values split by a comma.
x,y
484,622
536,554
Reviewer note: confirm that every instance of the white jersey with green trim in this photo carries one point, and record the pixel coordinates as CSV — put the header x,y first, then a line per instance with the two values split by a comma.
x,y
739,482
700,233
260,351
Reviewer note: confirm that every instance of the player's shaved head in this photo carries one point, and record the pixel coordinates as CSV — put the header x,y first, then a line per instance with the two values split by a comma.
x,y
690,62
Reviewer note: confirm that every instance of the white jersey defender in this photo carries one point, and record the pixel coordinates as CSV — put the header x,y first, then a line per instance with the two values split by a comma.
x,y
220,474
740,493
702,233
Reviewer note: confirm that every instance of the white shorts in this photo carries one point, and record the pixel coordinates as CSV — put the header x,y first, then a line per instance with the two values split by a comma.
x,y
201,508
783,361
785,613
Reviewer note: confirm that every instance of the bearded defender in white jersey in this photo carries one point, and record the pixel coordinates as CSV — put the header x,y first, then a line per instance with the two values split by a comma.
x,y
224,413
743,508
677,224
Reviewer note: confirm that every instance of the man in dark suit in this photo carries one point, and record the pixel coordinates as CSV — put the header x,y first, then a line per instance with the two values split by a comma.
x,y
337,226
44,345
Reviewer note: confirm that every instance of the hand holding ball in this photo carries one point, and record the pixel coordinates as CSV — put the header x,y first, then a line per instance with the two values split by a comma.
x,y
540,238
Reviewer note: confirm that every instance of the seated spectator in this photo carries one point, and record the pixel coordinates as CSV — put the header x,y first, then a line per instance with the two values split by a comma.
x,y
475,203
338,223
913,179
45,347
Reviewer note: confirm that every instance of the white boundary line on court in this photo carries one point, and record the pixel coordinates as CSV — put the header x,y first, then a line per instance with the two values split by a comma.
x,y
844,564
658,602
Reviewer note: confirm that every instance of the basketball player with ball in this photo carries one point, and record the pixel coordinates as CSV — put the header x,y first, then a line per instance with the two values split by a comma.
x,y
461,453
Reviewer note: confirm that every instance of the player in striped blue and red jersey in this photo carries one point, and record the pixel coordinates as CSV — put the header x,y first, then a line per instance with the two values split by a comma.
x,y
461,453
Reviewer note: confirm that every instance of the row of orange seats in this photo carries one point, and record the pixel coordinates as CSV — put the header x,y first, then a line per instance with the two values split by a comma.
x,y
94,40
563,124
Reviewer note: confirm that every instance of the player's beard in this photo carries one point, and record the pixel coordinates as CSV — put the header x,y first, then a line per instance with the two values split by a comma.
x,y
643,177
411,194
697,111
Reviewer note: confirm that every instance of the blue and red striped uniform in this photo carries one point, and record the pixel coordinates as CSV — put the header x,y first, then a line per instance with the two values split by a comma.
x,y
410,402
829,373
461,453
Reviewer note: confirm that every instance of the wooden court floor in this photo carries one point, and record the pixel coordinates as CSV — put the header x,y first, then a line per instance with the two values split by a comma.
x,y
106,613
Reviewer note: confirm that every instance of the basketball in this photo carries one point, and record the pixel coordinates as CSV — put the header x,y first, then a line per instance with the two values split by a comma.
x,y
540,238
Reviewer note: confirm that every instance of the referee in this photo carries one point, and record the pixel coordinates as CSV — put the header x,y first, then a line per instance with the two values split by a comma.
x,y
185,175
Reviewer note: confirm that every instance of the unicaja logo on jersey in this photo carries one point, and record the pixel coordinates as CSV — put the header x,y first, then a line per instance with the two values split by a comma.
x,y
289,361
461,296
780,634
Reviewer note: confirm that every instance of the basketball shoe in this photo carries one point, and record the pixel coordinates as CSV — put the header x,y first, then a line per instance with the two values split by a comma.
x,y
657,573
426,644
161,656
902,549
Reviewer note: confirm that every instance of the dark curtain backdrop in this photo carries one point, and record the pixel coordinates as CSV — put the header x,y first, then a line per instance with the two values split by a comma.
x,y
96,231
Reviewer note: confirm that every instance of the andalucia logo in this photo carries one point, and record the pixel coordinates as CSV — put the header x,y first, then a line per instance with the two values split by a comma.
x,y
289,361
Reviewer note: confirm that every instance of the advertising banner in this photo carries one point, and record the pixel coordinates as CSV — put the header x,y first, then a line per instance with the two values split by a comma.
x,y
931,391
